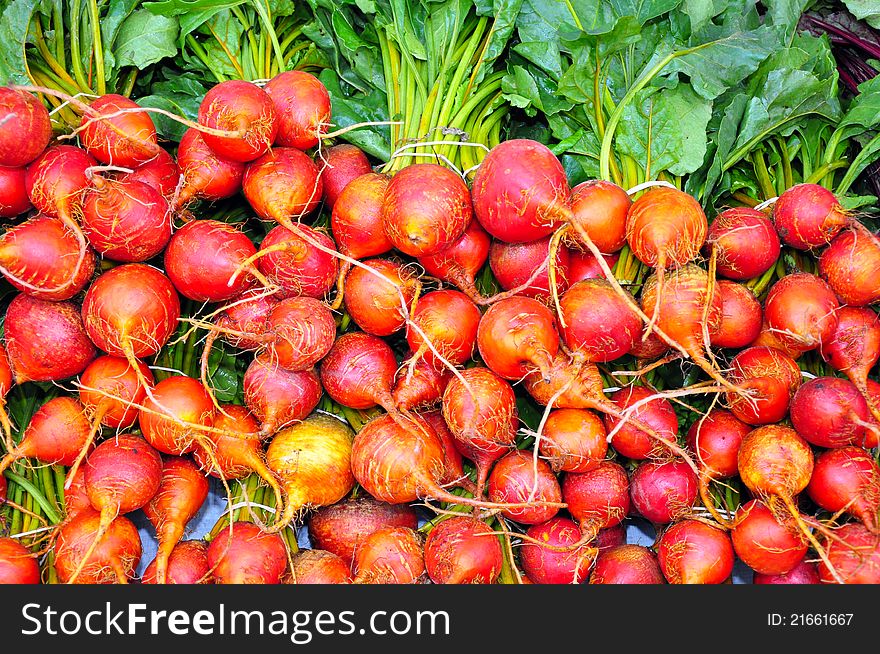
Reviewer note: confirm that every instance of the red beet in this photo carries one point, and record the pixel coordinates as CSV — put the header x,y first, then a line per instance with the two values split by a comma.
x,y
847,479
342,164
356,219
573,440
663,492
117,132
390,555
244,554
519,477
569,563
245,319
122,474
583,265
45,341
611,537
854,347
426,209
237,449
715,439
598,324
692,552
126,220
424,387
520,191
808,216
57,180
245,109
449,321
303,330
26,127
319,567
399,464
462,550
283,185
851,266
131,311
632,442
514,264
802,573
188,564
765,542
597,499
829,412
627,564
111,391
454,474
801,310
687,312
517,336
482,416
856,560
746,243
14,199
181,494
278,397
375,305
459,262
202,257
112,558
358,372
205,175
17,564
342,528
297,266
772,375
741,316
302,104
600,209
173,413
160,172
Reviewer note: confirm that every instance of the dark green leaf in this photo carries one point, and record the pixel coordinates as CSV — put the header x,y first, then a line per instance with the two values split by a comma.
x,y
14,23
145,39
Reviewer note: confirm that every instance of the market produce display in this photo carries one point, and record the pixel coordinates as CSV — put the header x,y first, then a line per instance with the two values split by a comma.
x,y
439,292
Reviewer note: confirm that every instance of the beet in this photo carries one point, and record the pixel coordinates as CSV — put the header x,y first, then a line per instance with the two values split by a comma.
x,y
851,266
663,492
462,550
342,164
692,552
426,208
573,440
808,216
855,557
319,567
244,554
341,528
765,542
746,243
627,564
45,341
555,566
390,555
519,477
520,191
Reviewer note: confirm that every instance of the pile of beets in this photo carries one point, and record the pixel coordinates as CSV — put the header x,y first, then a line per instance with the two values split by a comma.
x,y
385,313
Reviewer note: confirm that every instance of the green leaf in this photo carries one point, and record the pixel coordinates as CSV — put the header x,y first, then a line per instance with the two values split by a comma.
x,y
724,60
644,10
653,126
359,108
180,94
867,10
14,23
786,13
145,39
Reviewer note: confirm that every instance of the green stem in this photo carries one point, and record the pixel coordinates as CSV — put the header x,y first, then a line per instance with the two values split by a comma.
x,y
202,55
98,47
75,53
823,170
50,512
763,175
264,12
854,168
58,26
